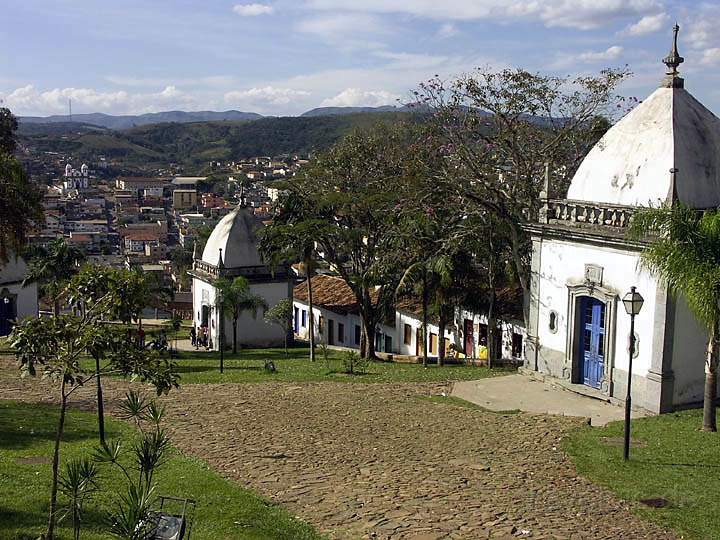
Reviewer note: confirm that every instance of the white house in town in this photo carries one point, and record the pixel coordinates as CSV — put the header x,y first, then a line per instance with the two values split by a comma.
x,y
16,301
336,315
666,150
230,252
337,323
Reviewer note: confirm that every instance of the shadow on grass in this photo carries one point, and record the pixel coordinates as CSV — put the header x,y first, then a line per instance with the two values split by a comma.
x,y
21,426
32,523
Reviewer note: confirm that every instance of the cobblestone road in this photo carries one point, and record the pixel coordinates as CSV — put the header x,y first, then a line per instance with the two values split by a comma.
x,y
379,461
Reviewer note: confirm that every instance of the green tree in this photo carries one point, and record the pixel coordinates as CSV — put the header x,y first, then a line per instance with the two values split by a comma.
x,y
683,250
8,127
233,299
54,346
352,192
20,206
52,267
499,129
290,239
92,284
282,315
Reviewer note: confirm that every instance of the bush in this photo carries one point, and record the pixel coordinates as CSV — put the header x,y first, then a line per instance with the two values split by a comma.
x,y
353,363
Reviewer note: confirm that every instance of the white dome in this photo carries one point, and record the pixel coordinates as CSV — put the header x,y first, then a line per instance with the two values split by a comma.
x,y
631,164
235,235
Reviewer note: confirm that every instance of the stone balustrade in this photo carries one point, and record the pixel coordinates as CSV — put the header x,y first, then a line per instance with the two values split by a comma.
x,y
591,213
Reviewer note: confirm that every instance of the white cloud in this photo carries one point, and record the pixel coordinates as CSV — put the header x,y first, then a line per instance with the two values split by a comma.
x,y
411,60
710,56
647,25
611,53
571,61
446,30
581,14
28,100
345,30
702,37
252,10
354,97
268,95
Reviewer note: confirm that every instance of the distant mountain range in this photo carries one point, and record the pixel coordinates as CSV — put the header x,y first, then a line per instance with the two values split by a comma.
x,y
128,121
336,111
181,117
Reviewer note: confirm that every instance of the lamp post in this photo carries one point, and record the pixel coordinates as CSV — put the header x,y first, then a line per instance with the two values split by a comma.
x,y
221,322
633,302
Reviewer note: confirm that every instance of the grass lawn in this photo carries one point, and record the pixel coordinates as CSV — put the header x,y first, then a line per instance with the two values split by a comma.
x,y
224,509
247,366
670,458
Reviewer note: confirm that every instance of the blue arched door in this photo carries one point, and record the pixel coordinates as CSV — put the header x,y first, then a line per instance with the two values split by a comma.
x,y
592,342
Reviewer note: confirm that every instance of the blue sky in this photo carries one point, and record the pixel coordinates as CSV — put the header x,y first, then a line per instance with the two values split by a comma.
x,y
283,57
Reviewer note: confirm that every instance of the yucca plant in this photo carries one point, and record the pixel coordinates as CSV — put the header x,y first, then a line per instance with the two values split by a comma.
x,y
132,518
77,482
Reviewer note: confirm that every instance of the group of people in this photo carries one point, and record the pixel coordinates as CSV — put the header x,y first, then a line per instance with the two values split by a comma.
x,y
200,338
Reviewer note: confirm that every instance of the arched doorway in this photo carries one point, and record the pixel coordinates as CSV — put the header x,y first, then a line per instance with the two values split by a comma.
x,y
205,315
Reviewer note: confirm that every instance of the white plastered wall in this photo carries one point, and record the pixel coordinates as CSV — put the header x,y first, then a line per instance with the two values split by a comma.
x,y
563,262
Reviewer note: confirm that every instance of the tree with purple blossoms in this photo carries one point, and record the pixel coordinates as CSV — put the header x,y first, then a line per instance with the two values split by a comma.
x,y
499,130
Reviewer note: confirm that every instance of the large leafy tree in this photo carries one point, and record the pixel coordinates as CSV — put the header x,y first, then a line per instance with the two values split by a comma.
x,y
499,129
290,239
353,191
684,252
54,347
52,267
20,200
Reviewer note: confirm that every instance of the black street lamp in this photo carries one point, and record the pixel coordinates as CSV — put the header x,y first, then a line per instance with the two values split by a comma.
x,y
221,328
633,302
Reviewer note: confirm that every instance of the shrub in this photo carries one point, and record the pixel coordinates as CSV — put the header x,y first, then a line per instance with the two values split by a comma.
x,y
353,363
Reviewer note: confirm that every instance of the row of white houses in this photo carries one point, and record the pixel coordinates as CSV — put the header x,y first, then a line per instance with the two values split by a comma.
x,y
337,323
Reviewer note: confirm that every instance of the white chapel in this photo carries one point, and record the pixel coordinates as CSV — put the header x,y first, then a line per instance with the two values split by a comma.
x,y
665,150
231,251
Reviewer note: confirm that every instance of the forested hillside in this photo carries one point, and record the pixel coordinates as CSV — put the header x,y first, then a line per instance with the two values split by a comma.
x,y
194,144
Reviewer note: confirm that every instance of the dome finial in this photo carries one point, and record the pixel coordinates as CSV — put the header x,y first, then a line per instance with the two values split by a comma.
x,y
672,61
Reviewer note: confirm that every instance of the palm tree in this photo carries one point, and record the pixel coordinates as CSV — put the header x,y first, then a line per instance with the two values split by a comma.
x,y
684,252
52,267
235,299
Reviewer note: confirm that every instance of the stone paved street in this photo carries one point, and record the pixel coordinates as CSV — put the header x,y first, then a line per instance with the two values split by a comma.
x,y
379,461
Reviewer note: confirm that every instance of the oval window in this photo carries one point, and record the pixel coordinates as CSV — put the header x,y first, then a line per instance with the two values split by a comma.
x,y
553,323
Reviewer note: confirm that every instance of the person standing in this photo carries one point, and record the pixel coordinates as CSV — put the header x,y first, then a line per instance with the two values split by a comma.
x,y
193,336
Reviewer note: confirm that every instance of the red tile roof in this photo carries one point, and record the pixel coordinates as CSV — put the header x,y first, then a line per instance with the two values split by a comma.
x,y
329,292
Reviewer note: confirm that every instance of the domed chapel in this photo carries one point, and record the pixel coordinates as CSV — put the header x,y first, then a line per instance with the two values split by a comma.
x,y
231,251
664,151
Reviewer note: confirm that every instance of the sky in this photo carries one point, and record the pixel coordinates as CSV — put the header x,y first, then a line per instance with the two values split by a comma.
x,y
283,57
